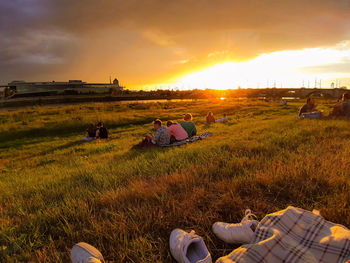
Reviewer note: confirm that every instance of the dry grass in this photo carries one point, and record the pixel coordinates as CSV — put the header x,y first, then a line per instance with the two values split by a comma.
x,y
57,191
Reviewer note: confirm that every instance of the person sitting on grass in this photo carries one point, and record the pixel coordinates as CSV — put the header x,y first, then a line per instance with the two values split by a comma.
x,y
101,132
283,103
308,107
177,133
162,136
189,125
346,105
309,111
90,133
342,108
223,119
210,117
91,130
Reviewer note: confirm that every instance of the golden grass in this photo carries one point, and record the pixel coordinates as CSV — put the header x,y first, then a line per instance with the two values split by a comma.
x,y
57,190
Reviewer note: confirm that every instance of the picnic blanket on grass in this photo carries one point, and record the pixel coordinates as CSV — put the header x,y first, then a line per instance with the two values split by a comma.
x,y
191,139
177,143
294,235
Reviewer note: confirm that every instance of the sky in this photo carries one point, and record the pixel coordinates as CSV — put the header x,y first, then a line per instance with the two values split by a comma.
x,y
177,43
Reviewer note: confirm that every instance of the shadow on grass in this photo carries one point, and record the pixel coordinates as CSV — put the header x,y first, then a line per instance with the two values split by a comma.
x,y
61,147
49,151
60,131
135,152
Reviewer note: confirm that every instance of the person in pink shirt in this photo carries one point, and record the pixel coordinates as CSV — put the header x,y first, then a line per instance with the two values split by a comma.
x,y
176,131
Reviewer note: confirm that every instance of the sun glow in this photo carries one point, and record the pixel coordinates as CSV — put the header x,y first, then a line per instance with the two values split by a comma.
x,y
278,69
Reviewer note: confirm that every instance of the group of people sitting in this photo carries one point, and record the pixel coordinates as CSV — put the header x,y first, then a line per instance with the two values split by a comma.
x,y
211,119
174,132
165,134
98,131
340,109
170,133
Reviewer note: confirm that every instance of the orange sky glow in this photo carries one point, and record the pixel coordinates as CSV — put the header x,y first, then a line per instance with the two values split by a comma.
x,y
183,44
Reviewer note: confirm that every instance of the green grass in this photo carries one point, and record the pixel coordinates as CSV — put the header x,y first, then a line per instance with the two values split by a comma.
x,y
57,190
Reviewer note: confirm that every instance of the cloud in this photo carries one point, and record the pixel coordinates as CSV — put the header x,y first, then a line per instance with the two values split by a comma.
x,y
334,68
141,41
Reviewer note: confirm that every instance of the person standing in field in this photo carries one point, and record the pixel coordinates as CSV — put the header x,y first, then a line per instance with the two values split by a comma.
x,y
177,133
101,132
210,117
189,125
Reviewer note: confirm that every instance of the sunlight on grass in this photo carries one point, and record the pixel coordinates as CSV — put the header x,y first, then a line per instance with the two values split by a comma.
x,y
58,190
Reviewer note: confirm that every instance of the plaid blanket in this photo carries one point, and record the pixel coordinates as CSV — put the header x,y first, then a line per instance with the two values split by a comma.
x,y
294,235
191,139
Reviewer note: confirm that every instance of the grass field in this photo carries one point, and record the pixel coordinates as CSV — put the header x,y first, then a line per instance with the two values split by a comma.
x,y
56,190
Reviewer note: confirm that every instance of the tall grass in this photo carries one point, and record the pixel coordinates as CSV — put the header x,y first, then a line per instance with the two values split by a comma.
x,y
57,190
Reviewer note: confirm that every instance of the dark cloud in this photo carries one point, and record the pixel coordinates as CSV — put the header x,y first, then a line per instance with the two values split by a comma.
x,y
145,41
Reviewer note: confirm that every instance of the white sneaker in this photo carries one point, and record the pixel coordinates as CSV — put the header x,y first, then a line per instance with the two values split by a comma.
x,y
188,247
85,253
241,233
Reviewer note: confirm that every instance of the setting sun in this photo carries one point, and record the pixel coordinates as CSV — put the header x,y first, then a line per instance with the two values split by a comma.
x,y
277,69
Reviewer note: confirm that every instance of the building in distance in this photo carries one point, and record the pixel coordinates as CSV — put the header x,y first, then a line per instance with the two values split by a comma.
x,y
72,87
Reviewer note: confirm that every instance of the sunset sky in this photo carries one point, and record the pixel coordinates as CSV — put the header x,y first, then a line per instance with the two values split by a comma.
x,y
183,43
